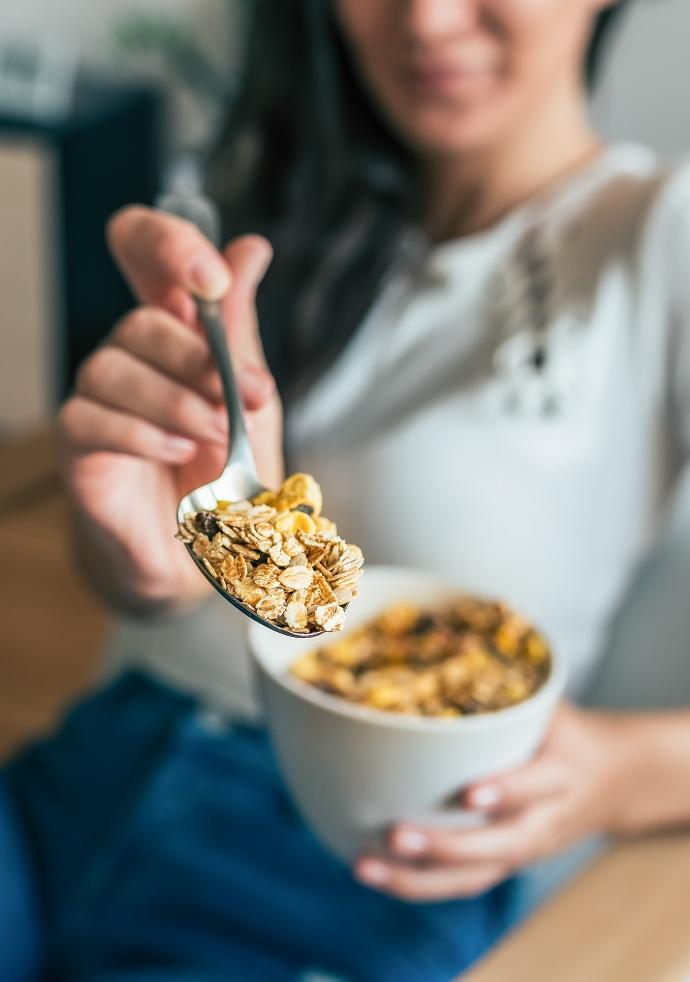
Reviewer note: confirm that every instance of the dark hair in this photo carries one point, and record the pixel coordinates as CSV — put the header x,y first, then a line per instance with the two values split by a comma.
x,y
305,158
603,27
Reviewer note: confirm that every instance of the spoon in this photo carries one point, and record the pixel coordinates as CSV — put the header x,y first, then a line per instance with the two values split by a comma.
x,y
238,480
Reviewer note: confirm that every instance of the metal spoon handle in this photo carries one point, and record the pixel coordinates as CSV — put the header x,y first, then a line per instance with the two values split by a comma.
x,y
202,212
240,452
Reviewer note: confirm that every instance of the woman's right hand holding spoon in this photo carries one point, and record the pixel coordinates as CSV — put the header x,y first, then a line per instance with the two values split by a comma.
x,y
146,422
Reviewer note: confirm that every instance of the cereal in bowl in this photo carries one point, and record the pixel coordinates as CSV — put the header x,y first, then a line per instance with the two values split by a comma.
x,y
467,657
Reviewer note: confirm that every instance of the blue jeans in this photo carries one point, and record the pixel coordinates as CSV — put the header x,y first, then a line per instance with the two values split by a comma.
x,y
147,843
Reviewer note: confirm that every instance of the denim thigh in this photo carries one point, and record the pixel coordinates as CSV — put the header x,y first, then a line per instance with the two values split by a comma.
x,y
167,849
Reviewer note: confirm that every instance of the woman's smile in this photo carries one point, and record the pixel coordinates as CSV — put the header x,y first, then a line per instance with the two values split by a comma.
x,y
448,79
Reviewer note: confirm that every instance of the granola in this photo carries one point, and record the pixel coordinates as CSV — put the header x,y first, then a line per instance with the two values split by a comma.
x,y
279,556
471,656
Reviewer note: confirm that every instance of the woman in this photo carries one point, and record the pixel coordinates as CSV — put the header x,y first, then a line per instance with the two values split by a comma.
x,y
468,286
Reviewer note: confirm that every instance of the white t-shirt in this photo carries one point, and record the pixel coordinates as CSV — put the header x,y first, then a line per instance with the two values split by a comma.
x,y
438,444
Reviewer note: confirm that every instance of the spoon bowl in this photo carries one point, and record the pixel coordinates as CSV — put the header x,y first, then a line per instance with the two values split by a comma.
x,y
232,485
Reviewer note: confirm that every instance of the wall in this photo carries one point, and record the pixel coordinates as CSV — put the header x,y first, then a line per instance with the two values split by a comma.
x,y
86,24
85,28
644,95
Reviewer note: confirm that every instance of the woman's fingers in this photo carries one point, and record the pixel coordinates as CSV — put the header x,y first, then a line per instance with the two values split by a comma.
x,y
168,262
543,778
166,259
157,373
164,343
428,883
499,842
118,380
85,426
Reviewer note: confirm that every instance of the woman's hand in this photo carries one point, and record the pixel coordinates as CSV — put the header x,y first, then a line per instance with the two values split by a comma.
x,y
579,784
146,422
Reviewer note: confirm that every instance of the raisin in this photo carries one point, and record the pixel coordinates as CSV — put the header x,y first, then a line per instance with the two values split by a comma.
x,y
307,509
422,625
471,706
206,522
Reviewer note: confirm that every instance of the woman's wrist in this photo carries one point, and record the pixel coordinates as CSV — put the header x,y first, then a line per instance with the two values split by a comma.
x,y
649,767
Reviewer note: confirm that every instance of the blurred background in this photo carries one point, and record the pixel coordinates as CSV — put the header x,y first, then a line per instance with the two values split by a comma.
x,y
102,102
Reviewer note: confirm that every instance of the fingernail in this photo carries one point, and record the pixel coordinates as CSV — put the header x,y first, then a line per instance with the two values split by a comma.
x,y
178,445
372,872
208,278
485,797
411,841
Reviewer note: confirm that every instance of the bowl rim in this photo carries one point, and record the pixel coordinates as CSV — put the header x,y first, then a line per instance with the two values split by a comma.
x,y
552,686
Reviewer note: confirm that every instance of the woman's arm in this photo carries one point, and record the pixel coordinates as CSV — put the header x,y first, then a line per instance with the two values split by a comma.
x,y
655,770
616,773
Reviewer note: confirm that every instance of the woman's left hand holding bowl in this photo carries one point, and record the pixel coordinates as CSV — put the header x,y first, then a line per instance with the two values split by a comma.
x,y
582,782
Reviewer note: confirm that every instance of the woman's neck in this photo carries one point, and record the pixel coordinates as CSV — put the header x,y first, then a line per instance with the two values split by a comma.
x,y
469,193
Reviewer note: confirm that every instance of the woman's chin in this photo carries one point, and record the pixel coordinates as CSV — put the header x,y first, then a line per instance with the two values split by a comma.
x,y
436,133
437,143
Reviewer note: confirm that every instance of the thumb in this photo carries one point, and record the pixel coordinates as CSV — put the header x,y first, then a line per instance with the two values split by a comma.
x,y
166,260
248,257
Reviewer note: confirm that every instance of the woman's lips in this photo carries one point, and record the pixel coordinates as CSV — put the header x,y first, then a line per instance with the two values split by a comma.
x,y
445,80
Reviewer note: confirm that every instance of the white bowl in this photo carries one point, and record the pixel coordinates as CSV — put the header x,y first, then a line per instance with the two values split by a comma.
x,y
354,771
